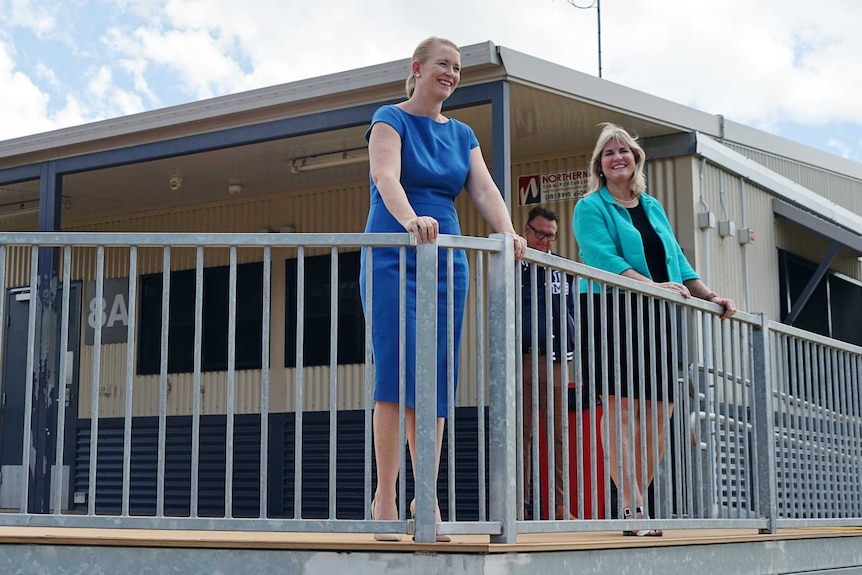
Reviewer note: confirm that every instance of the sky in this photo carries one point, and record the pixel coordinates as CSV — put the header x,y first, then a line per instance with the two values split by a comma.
x,y
789,67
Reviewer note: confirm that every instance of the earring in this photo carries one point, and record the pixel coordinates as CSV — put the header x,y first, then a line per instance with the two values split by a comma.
x,y
417,74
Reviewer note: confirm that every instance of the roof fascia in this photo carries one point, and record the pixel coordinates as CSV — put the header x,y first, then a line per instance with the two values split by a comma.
x,y
230,137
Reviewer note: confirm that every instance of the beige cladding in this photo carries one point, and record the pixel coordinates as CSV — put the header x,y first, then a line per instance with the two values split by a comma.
x,y
674,181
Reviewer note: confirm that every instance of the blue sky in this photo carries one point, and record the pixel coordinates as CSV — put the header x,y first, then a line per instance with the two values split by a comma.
x,y
789,67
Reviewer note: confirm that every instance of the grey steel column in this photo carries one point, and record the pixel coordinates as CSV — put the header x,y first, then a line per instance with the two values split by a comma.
x,y
426,392
44,297
501,372
764,425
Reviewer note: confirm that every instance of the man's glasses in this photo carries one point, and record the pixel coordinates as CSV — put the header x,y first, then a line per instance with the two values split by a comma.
x,y
542,235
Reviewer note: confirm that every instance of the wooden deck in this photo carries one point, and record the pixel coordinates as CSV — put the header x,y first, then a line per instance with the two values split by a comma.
x,y
349,542
86,551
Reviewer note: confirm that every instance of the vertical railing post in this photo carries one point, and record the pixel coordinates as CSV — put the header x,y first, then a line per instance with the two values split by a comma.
x,y
501,371
426,392
764,425
709,465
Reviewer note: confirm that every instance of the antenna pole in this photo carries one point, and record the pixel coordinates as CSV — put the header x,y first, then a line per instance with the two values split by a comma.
x,y
598,6
599,28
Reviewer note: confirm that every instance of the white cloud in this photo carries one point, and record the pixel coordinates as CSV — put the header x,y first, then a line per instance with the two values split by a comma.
x,y
761,62
27,14
45,73
28,108
107,99
757,62
24,105
841,148
136,69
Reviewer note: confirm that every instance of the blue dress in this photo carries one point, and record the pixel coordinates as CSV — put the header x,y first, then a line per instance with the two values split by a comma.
x,y
435,161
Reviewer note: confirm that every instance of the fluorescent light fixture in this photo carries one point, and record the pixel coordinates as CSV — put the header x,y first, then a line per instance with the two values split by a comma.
x,y
333,160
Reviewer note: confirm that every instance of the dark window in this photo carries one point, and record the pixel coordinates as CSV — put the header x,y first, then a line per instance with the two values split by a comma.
x,y
795,273
351,320
833,308
181,322
846,298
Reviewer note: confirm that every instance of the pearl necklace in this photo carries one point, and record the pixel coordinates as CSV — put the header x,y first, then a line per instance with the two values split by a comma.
x,y
626,202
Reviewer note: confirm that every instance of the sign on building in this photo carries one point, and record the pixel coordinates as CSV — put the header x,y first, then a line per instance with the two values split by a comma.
x,y
113,316
552,187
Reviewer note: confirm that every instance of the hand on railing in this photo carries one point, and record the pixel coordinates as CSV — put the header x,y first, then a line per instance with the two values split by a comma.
x,y
520,245
425,228
727,303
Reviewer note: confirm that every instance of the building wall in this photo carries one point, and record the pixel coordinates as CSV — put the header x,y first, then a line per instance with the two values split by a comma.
x,y
310,212
748,273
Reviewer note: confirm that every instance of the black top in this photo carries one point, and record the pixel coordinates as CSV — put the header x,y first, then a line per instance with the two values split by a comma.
x,y
653,248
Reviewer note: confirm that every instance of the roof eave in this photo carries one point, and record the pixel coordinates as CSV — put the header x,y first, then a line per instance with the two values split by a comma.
x,y
356,86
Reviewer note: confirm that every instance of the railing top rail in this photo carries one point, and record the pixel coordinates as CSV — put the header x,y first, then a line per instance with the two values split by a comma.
x,y
194,239
615,280
470,243
784,329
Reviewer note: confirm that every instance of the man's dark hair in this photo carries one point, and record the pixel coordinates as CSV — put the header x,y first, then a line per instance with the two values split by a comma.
x,y
550,215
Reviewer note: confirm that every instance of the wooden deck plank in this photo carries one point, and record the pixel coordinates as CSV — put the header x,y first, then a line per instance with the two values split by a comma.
x,y
365,542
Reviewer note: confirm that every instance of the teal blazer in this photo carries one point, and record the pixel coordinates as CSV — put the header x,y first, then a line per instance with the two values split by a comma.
x,y
608,239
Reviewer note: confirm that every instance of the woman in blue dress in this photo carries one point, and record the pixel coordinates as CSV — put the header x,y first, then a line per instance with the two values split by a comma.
x,y
420,161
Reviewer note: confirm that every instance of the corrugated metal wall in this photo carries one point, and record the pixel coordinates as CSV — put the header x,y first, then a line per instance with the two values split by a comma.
x,y
674,181
686,187
843,190
309,212
731,268
17,266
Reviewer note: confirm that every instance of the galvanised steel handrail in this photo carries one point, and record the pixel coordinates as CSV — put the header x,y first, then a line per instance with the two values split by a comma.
x,y
753,387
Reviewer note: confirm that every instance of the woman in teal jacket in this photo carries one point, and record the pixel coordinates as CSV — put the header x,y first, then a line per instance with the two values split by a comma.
x,y
621,229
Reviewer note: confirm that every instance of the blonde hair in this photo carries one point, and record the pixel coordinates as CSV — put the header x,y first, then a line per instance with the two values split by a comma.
x,y
613,132
420,54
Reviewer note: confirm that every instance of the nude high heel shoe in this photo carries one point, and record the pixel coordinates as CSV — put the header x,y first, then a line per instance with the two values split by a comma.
x,y
382,536
440,538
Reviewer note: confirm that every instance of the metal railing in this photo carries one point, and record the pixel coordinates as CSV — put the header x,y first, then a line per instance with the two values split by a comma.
x,y
706,477
763,430
818,428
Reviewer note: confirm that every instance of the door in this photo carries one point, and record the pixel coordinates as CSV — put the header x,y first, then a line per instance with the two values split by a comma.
x,y
13,388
